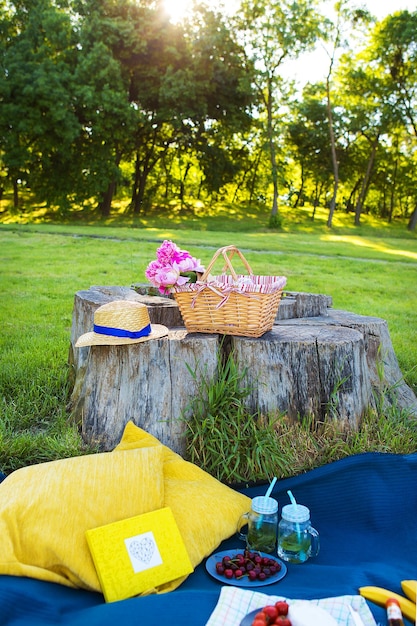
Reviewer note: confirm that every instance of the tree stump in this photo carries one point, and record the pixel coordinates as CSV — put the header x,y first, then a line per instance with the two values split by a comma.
x,y
148,383
387,382
386,378
306,370
315,361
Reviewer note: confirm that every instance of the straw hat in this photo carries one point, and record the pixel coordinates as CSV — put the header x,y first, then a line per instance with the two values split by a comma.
x,y
121,322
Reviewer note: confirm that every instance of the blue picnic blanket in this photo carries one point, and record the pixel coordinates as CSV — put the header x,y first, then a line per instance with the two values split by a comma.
x,y
364,506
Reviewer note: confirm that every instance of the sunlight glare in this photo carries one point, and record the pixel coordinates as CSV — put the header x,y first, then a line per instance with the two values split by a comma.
x,y
180,9
177,9
365,243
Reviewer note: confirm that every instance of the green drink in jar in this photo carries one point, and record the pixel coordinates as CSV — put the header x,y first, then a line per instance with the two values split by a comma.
x,y
297,539
262,538
262,521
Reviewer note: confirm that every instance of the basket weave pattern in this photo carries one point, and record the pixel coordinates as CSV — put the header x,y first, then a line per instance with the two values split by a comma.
x,y
244,305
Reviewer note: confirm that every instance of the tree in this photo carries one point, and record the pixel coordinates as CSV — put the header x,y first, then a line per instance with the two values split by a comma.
x,y
37,120
393,46
377,88
188,86
272,32
102,104
65,118
222,97
337,32
119,66
308,136
362,97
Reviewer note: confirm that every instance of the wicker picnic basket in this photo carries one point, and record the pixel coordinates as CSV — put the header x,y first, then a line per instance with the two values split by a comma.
x,y
230,304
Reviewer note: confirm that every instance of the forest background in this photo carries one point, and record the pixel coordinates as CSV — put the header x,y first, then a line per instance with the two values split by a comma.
x,y
109,105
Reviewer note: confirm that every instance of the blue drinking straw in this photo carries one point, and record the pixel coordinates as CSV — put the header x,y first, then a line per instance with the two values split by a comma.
x,y
294,503
268,493
271,486
291,497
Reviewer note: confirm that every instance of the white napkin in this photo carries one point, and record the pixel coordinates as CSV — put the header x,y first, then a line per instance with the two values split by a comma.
x,y
234,603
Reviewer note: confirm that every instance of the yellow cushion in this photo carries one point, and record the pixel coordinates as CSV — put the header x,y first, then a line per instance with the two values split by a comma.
x,y
45,510
206,510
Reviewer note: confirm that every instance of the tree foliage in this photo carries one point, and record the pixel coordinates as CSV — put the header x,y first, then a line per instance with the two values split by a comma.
x,y
105,98
273,32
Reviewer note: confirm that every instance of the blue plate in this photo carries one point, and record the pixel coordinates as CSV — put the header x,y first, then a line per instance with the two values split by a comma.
x,y
248,619
243,582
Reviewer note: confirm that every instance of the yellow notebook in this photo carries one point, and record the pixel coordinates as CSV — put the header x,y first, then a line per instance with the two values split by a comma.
x,y
136,555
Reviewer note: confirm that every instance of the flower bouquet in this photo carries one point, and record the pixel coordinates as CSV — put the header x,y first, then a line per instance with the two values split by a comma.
x,y
173,267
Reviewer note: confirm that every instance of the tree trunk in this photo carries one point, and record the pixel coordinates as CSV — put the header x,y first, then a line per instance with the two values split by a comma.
x,y
303,370
254,176
325,366
107,196
335,162
365,182
139,185
393,189
15,194
349,203
148,383
106,199
274,220
317,193
182,184
413,220
301,190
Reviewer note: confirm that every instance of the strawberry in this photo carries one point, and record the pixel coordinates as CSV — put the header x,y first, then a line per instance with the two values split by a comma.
x,y
281,620
282,607
271,611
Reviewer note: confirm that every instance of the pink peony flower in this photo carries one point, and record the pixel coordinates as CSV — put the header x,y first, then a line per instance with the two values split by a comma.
x,y
190,264
169,253
151,270
165,278
173,266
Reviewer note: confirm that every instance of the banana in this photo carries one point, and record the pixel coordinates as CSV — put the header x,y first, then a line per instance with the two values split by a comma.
x,y
380,596
410,589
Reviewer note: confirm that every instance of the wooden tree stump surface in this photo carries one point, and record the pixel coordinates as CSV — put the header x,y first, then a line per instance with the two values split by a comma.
x,y
315,361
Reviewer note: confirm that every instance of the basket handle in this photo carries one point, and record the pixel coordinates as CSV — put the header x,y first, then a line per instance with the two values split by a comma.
x,y
228,261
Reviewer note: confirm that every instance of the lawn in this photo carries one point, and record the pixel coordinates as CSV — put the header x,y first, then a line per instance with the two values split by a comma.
x,y
370,270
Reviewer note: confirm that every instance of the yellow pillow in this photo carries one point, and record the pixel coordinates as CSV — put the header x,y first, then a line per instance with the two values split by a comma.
x,y
45,510
206,510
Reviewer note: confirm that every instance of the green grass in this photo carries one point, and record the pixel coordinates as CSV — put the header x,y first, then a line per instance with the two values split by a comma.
x,y
236,446
222,437
370,270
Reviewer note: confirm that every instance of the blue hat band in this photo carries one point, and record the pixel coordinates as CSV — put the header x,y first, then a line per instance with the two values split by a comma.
x,y
120,332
